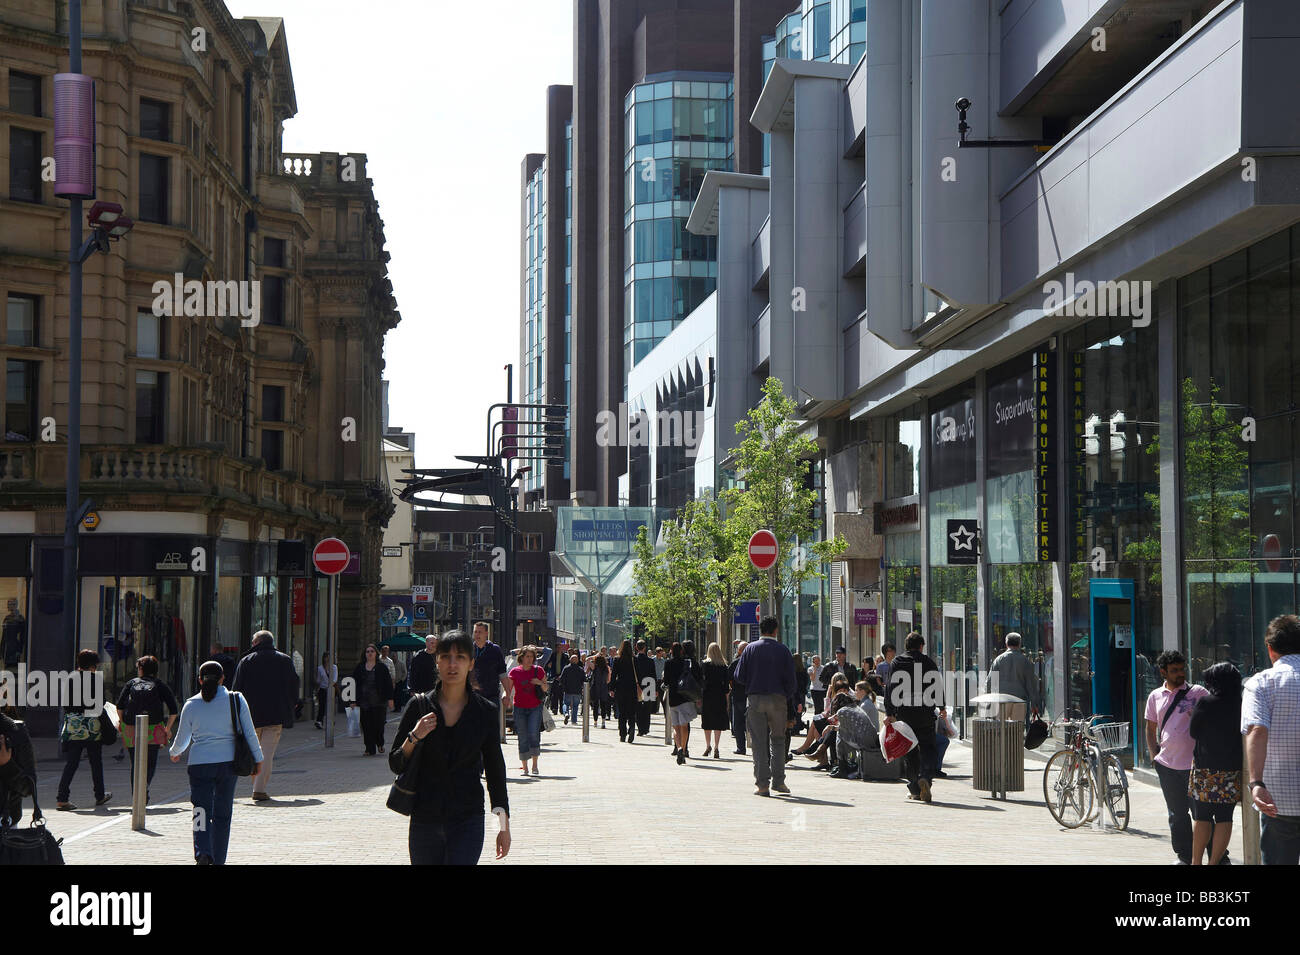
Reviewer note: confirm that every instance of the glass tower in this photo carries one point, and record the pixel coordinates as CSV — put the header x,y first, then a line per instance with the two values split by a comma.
x,y
533,374
678,127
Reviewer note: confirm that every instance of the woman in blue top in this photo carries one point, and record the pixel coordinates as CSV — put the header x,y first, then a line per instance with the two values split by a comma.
x,y
206,722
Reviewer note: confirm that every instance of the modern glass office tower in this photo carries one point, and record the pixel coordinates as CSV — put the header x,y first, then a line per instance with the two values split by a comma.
x,y
678,127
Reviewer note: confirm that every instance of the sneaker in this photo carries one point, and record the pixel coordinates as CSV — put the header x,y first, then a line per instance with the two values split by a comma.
x,y
103,800
64,806
925,790
781,788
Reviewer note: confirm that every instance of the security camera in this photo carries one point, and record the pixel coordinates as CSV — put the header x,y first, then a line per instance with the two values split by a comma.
x,y
963,104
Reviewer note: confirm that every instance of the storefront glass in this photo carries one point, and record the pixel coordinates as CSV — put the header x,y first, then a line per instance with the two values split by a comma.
x,y
1240,396
125,618
902,590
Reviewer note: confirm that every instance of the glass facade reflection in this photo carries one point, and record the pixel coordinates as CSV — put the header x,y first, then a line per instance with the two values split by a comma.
x,y
678,127
533,372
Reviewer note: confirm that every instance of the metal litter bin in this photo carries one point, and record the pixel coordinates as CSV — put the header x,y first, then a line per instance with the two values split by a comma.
x,y
998,750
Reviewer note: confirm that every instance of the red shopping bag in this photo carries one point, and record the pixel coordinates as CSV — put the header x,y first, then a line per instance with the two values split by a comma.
x,y
896,739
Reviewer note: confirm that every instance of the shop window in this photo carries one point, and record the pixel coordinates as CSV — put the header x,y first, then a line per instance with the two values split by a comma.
x,y
24,164
150,399
154,188
24,93
20,400
21,316
155,120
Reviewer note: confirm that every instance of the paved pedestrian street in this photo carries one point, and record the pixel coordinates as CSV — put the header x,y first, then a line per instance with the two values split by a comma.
x,y
605,802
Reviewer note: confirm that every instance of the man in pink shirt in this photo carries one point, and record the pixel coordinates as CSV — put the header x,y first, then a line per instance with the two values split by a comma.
x,y
1168,716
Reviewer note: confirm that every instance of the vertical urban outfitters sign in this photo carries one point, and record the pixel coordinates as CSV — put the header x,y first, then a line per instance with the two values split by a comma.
x,y
1045,455
1078,429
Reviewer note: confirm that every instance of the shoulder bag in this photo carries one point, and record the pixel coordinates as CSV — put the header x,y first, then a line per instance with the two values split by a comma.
x,y
33,845
402,793
243,761
688,686
1173,707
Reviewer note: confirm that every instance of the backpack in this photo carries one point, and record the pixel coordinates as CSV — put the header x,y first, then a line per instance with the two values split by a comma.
x,y
142,697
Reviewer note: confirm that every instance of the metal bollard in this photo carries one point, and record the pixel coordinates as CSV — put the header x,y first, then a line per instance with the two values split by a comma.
x,y
140,771
586,712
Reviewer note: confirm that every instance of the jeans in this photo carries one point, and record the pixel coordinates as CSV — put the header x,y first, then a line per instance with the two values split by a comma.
x,y
1173,783
738,720
766,716
372,726
448,843
573,706
151,761
95,753
528,729
1279,840
212,792
268,737
941,742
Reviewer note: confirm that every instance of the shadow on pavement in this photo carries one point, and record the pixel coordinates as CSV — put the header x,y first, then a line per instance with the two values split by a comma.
x,y
274,802
807,801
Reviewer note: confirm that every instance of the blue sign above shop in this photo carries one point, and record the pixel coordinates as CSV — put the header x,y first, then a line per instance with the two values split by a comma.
x,y
621,531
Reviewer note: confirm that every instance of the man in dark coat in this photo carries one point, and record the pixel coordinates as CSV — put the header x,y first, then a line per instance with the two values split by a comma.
x,y
645,670
269,682
915,689
423,672
226,660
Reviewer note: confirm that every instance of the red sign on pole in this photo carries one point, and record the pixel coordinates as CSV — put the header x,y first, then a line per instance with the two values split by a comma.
x,y
763,549
331,556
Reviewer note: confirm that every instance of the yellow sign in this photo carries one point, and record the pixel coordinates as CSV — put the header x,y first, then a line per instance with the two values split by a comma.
x,y
91,521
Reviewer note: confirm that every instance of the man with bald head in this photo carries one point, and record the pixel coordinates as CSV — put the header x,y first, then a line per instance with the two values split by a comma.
x,y
423,671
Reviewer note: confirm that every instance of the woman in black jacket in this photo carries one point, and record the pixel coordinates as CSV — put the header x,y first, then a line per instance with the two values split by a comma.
x,y
455,734
627,692
680,707
373,685
1215,783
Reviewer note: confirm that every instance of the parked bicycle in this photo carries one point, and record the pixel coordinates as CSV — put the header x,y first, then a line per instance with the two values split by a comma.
x,y
1087,766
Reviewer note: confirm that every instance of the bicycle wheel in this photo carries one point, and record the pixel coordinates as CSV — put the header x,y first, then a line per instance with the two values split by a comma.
x,y
1067,789
1116,791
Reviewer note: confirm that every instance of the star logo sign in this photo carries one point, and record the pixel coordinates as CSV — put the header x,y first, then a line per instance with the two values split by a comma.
x,y
963,539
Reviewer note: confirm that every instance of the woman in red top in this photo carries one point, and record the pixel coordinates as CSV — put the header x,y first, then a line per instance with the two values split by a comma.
x,y
525,680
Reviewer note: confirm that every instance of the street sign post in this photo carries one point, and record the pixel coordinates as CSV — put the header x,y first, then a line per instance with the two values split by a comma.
x,y
331,557
763,552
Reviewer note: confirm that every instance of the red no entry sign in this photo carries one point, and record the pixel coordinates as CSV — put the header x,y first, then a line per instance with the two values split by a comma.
x,y
331,556
762,549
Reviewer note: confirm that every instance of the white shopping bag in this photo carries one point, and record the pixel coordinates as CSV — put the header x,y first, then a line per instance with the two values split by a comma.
x,y
354,721
896,739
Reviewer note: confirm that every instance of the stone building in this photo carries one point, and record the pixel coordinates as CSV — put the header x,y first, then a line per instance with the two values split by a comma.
x,y
242,434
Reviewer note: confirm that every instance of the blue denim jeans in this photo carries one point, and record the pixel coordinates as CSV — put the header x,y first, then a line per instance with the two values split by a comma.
x,y
941,742
212,792
1279,840
446,843
573,706
528,729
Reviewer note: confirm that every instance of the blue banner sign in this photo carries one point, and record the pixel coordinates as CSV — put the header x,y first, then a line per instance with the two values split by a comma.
x,y
621,531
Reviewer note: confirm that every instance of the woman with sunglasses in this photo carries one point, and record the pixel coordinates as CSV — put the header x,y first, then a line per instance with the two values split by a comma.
x,y
374,695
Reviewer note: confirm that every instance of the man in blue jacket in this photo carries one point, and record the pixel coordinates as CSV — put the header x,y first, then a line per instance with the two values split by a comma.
x,y
269,682
766,669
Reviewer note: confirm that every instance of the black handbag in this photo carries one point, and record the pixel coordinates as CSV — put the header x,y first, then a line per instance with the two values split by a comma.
x,y
688,686
34,845
243,762
402,794
1035,735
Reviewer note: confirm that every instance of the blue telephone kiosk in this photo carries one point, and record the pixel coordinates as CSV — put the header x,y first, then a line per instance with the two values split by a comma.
x,y
1114,651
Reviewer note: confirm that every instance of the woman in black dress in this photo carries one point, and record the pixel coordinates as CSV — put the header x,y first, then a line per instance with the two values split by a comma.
x,y
626,691
713,715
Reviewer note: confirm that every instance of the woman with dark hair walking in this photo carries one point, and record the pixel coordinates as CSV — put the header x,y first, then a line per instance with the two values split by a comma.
x,y
84,729
455,732
681,707
374,688
209,722
1215,782
627,692
600,689
526,680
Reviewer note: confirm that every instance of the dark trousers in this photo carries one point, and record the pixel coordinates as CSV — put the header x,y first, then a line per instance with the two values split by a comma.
x,y
921,760
95,753
644,711
1173,784
602,705
738,721
446,843
1279,840
151,762
628,712
321,715
212,793
372,726
819,700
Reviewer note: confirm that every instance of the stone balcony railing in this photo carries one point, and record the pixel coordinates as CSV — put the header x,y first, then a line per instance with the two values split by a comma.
x,y
108,469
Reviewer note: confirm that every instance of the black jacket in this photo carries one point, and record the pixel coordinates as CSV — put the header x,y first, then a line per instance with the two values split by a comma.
x,y
381,674
915,689
268,681
227,667
830,669
625,684
673,673
18,776
422,673
1216,728
572,677
447,778
737,688
645,667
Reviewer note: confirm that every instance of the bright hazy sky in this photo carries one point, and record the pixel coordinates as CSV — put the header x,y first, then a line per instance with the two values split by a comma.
x,y
445,99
